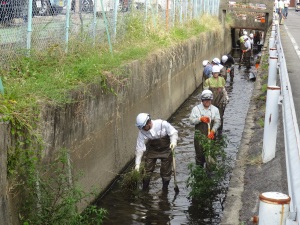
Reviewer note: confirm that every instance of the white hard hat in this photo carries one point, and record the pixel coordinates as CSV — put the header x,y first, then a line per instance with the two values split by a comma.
x,y
205,62
215,69
251,35
142,119
245,32
245,37
224,58
216,60
206,95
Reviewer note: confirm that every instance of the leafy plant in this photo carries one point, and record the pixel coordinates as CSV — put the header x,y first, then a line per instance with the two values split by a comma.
x,y
50,195
205,181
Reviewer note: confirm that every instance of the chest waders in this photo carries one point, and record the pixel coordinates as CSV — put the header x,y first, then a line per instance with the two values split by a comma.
x,y
202,128
219,101
158,149
223,73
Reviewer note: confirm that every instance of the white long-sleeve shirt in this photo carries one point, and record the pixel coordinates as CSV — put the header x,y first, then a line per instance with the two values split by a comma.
x,y
160,128
212,112
247,45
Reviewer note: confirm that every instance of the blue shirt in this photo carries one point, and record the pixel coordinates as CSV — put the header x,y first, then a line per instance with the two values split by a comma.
x,y
207,71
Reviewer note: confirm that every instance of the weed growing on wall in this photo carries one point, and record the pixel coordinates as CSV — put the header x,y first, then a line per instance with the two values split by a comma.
x,y
50,194
206,182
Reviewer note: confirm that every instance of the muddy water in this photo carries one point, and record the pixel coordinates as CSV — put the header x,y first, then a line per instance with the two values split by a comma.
x,y
156,207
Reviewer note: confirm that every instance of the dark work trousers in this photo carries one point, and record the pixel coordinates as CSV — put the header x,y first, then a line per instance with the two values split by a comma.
x,y
219,102
159,149
231,73
200,156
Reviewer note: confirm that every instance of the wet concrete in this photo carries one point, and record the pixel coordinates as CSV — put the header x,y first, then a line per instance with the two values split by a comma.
x,y
156,207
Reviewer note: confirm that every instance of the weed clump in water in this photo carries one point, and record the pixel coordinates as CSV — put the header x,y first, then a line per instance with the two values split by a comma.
x,y
205,182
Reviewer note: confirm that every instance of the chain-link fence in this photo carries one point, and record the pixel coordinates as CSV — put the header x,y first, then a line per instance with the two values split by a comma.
x,y
36,25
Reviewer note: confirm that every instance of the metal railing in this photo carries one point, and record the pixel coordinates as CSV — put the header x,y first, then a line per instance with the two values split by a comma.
x,y
291,136
290,125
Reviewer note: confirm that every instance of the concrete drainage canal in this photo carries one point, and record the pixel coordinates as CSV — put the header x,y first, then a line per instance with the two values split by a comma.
x,y
157,207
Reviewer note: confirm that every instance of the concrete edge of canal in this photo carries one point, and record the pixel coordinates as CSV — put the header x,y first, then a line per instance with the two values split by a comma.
x,y
250,177
233,203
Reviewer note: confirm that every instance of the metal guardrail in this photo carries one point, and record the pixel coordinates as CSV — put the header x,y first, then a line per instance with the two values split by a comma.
x,y
291,136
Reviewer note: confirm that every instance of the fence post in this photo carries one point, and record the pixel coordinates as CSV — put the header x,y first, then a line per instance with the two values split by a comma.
x,y
29,27
116,6
67,24
1,87
272,77
270,125
271,42
94,21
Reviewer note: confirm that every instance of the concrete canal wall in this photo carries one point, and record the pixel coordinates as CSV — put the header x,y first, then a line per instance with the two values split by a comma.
x,y
99,129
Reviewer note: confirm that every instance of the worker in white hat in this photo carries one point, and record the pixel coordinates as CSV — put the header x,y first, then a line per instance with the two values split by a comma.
x,y
223,73
204,116
157,138
216,84
228,62
245,53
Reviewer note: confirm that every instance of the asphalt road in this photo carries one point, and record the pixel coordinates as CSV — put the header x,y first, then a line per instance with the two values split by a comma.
x,y
250,177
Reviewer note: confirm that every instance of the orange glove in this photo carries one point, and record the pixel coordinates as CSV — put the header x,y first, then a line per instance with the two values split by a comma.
x,y
211,135
244,51
205,119
228,70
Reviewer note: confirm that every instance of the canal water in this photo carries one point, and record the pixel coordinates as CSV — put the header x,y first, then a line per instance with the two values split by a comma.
x,y
157,207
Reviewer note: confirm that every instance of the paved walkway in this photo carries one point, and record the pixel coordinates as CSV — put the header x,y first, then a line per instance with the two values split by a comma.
x,y
250,177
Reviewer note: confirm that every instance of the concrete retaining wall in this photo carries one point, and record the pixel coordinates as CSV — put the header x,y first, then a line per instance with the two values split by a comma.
x,y
99,129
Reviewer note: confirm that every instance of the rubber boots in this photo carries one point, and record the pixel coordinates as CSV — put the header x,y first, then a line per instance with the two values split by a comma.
x,y
146,182
165,184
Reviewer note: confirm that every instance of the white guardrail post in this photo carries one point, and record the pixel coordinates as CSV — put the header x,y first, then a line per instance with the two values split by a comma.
x,y
271,115
291,139
271,123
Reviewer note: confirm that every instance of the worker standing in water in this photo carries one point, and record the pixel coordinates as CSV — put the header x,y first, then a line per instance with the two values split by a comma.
x,y
156,139
204,116
216,84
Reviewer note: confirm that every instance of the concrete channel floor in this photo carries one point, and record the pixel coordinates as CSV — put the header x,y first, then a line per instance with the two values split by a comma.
x,y
250,177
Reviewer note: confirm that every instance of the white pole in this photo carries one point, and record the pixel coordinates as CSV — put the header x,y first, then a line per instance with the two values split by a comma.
x,y
272,77
270,126
273,53
273,208
273,31
271,42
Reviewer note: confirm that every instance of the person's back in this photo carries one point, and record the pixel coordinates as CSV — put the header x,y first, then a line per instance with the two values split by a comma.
x,y
207,71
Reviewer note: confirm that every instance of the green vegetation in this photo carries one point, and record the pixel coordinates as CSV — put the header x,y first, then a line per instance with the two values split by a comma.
x,y
254,160
132,179
205,182
50,194
49,77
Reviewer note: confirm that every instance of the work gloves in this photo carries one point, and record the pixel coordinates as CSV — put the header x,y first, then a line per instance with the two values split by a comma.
x,y
204,119
244,51
211,135
173,145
